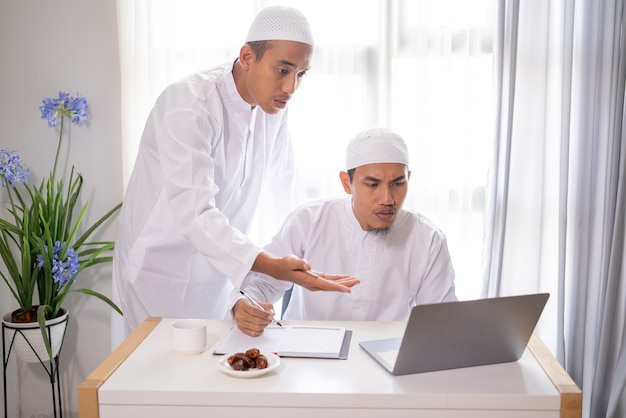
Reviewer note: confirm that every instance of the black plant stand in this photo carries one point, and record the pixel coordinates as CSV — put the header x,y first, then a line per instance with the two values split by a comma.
x,y
52,370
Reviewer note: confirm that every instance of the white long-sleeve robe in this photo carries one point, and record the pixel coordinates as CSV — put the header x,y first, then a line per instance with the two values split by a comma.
x,y
202,161
408,265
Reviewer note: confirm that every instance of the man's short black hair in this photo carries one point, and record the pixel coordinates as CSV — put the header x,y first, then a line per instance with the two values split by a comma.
x,y
259,48
351,174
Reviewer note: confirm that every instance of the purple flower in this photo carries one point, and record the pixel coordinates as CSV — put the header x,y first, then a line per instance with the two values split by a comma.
x,y
62,270
55,109
11,168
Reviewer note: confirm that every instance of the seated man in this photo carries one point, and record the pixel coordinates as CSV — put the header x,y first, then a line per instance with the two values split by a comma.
x,y
400,257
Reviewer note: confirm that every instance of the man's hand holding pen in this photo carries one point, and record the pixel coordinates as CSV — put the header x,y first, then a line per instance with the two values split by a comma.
x,y
256,304
252,317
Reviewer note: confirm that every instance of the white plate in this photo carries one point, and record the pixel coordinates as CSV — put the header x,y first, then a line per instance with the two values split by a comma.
x,y
273,361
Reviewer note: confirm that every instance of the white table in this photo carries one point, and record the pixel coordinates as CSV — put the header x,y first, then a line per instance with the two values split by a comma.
x,y
144,377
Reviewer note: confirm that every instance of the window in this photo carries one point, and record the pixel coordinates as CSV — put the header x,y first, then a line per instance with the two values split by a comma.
x,y
424,69
420,67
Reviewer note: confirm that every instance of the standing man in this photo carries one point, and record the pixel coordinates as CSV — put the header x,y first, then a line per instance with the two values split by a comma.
x,y
400,257
209,145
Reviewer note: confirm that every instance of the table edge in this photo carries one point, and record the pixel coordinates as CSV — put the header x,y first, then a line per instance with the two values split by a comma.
x,y
88,404
570,393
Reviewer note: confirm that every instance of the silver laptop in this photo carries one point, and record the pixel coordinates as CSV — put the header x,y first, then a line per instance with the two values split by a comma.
x,y
452,335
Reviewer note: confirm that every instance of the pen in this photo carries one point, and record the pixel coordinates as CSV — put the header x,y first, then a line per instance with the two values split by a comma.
x,y
255,303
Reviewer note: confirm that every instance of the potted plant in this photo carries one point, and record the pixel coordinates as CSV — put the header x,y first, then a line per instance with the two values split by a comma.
x,y
42,244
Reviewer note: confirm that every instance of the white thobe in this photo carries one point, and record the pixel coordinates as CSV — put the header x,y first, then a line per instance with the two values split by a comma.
x,y
407,266
203,158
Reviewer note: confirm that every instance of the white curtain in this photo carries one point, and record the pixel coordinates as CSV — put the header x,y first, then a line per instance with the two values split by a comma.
x,y
420,67
555,212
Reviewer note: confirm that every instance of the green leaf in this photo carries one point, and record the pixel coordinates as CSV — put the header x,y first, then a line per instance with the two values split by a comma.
x,y
41,318
101,297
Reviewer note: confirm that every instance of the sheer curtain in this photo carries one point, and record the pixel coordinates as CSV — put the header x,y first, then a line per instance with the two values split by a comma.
x,y
420,67
555,216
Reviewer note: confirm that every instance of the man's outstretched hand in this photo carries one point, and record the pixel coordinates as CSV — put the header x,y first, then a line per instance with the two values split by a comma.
x,y
298,271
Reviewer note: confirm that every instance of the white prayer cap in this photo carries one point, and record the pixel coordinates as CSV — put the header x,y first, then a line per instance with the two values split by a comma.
x,y
279,23
376,145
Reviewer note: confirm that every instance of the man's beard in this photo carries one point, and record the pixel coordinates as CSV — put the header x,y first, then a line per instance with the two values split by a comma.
x,y
379,231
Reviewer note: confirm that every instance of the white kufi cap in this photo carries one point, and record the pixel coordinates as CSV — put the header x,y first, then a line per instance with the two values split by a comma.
x,y
279,23
376,145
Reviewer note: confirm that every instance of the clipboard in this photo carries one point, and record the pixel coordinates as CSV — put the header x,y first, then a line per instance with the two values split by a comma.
x,y
292,341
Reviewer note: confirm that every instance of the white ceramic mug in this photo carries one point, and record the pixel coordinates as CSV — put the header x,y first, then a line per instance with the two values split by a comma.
x,y
189,336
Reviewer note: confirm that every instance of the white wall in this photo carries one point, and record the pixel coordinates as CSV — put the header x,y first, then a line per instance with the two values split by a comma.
x,y
70,45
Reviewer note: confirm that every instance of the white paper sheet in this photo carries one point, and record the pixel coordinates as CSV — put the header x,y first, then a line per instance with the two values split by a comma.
x,y
288,341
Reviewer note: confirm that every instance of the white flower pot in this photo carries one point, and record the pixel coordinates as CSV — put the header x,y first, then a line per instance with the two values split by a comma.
x,y
27,341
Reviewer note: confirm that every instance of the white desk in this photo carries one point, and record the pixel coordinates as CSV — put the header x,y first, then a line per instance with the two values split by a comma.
x,y
144,377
